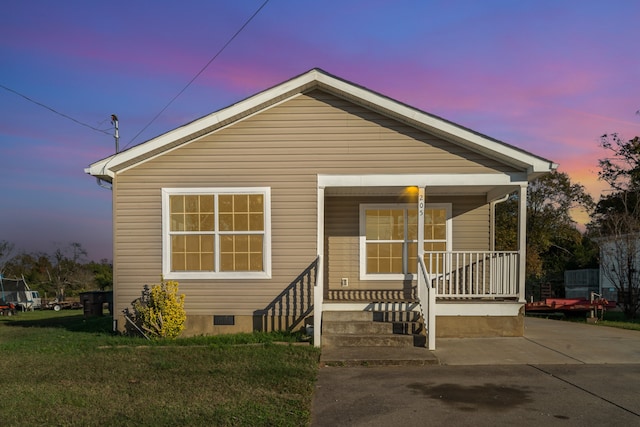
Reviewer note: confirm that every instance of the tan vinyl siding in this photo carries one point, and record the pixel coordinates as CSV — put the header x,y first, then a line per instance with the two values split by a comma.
x,y
471,224
284,148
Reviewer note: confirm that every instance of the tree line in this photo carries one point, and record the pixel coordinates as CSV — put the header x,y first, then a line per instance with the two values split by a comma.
x,y
63,273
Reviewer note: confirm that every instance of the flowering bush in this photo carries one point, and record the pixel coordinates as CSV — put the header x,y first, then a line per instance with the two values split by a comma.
x,y
160,310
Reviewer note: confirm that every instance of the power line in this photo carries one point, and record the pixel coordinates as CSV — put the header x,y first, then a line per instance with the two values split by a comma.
x,y
53,110
199,72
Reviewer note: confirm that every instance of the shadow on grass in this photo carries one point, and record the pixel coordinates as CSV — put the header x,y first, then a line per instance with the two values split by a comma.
x,y
72,322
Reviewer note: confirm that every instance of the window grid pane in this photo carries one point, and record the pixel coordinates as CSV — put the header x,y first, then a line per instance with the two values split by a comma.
x,y
384,258
435,224
241,252
191,213
192,252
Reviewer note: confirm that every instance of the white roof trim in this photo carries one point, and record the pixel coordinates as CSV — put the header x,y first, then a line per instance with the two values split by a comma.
x,y
534,165
422,180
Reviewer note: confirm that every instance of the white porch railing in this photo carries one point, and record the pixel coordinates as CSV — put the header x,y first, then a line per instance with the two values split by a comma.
x,y
473,274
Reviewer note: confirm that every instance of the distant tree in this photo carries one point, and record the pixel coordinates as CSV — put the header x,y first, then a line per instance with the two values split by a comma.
x,y
6,251
102,273
65,272
616,219
68,275
553,240
621,169
619,241
34,267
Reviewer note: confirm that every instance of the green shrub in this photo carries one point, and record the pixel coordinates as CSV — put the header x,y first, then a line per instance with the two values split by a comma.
x,y
160,311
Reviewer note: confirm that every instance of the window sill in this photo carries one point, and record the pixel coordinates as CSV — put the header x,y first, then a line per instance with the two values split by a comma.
x,y
197,275
387,277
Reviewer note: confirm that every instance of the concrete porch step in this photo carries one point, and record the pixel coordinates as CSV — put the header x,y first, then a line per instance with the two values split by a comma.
x,y
369,315
392,325
377,356
373,340
371,327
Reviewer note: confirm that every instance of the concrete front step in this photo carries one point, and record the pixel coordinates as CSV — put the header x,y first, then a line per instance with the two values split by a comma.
x,y
369,327
373,340
377,356
368,315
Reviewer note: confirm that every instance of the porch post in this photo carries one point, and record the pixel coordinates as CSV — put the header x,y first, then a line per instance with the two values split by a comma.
x,y
318,290
522,241
430,297
421,203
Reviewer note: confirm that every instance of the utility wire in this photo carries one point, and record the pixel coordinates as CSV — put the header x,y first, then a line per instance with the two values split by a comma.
x,y
53,110
199,72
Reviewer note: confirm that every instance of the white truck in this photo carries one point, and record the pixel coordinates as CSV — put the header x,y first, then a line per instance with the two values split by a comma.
x,y
17,291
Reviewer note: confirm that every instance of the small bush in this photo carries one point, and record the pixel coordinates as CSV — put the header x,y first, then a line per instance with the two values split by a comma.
x,y
160,310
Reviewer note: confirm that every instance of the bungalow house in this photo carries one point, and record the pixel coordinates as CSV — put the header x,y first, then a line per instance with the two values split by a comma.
x,y
318,197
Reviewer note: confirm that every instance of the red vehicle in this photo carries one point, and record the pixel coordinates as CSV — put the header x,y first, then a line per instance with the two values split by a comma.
x,y
569,305
7,308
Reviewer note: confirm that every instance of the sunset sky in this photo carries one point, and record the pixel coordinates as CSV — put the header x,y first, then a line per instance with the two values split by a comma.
x,y
548,76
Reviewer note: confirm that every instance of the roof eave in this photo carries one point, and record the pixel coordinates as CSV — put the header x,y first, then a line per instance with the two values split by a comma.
x,y
316,78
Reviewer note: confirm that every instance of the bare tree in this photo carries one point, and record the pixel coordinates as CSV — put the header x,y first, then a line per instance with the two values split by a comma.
x,y
616,220
6,252
620,260
67,272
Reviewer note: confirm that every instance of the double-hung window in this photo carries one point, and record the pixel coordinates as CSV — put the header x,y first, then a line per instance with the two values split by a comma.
x,y
216,233
389,238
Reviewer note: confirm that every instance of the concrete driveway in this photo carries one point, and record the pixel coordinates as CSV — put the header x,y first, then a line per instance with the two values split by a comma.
x,y
545,342
559,373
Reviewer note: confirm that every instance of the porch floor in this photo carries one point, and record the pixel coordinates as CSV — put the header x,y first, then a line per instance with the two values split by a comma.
x,y
377,356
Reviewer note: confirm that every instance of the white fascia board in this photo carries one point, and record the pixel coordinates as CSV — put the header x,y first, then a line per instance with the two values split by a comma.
x,y
422,180
105,166
99,168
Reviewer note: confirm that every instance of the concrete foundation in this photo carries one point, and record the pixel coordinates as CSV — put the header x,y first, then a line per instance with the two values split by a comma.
x,y
479,326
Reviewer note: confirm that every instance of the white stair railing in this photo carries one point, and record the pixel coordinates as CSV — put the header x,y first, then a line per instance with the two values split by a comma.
x,y
427,299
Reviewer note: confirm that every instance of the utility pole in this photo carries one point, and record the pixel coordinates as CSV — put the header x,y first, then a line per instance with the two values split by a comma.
x,y
116,135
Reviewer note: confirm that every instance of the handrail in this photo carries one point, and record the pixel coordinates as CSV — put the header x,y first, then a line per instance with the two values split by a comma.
x,y
426,292
318,298
423,288
294,303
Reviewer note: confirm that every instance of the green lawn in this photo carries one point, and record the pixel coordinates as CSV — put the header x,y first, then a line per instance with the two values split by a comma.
x,y
59,369
614,319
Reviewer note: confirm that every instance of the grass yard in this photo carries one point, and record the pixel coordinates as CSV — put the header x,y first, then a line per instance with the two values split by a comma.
x,y
612,318
616,319
59,369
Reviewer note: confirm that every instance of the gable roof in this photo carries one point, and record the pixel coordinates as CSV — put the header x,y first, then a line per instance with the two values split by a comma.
x,y
318,79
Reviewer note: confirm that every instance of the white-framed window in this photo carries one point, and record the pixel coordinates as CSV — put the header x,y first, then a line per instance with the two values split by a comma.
x,y
216,233
389,238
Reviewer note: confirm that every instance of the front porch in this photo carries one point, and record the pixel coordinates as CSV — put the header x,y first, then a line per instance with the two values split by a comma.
x,y
470,294
442,268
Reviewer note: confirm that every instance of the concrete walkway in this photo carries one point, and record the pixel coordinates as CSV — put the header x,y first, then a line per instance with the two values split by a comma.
x,y
559,373
545,342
